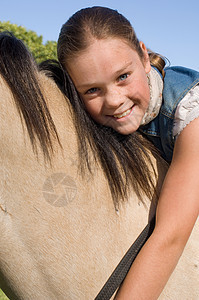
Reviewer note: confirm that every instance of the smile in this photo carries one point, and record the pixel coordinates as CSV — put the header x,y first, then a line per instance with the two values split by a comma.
x,y
124,114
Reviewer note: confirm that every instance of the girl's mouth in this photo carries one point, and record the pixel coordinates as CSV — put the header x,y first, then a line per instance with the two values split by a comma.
x,y
124,114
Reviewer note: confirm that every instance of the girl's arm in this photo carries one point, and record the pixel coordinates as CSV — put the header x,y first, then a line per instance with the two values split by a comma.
x,y
177,212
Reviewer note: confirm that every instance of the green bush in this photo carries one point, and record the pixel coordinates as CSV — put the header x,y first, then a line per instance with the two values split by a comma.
x,y
34,42
3,296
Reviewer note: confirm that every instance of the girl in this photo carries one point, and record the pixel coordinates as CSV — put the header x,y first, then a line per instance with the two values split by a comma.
x,y
123,88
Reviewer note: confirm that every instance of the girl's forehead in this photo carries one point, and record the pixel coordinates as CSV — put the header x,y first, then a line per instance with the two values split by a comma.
x,y
109,42
102,49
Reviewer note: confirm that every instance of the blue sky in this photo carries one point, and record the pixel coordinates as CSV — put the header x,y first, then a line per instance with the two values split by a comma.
x,y
169,27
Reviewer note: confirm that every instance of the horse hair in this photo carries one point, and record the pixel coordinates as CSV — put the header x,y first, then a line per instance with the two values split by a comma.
x,y
18,68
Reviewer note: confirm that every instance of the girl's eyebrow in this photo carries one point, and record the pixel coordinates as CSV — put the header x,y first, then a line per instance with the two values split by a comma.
x,y
117,73
85,86
123,68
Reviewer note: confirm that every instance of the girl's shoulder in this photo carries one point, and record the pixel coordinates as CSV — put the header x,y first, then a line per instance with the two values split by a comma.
x,y
177,75
187,110
178,81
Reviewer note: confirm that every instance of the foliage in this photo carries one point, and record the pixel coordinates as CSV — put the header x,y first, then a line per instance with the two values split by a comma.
x,y
3,296
34,42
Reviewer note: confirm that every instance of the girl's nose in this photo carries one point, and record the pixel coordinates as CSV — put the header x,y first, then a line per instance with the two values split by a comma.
x,y
114,99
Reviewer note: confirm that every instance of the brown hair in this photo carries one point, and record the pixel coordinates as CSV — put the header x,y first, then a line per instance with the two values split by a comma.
x,y
98,23
125,159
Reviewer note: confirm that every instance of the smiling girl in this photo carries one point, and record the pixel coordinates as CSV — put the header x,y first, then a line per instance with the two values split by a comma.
x,y
121,86
111,81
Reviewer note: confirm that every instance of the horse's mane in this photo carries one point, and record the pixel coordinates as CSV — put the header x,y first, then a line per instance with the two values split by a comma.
x,y
19,70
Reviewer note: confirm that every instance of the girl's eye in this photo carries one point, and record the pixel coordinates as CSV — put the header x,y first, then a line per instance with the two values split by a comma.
x,y
92,91
123,77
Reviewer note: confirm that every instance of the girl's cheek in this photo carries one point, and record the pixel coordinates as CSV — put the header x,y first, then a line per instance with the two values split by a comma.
x,y
93,109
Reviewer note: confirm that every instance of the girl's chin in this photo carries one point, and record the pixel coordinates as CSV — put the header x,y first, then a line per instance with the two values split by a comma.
x,y
127,130
123,126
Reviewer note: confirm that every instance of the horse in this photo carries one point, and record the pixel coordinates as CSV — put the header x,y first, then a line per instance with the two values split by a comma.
x,y
60,234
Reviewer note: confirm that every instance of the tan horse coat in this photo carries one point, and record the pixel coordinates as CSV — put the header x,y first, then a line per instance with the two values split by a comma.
x,y
60,236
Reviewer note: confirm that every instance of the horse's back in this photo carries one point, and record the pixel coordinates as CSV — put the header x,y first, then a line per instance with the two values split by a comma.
x,y
60,235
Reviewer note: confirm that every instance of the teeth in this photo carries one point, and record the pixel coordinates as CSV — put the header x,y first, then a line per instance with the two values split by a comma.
x,y
123,114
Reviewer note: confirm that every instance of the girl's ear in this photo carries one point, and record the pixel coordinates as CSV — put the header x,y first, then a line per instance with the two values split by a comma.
x,y
146,60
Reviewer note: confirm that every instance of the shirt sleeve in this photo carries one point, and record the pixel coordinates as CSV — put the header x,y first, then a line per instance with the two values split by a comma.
x,y
187,110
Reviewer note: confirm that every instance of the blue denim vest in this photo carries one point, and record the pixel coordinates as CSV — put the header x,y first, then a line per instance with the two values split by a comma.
x,y
177,83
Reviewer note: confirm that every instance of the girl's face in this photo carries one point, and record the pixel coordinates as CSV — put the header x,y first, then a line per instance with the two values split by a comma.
x,y
111,80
